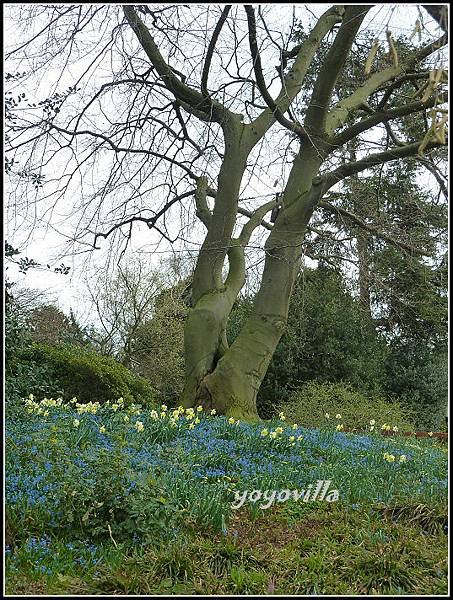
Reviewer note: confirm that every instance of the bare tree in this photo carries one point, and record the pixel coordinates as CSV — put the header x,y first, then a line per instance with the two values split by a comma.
x,y
123,301
192,112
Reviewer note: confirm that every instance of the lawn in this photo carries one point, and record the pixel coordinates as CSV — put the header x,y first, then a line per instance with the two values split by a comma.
x,y
120,499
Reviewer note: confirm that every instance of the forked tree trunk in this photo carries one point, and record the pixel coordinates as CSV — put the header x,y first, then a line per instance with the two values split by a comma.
x,y
228,379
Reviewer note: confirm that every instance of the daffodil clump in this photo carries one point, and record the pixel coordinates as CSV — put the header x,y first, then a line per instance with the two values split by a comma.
x,y
283,434
371,427
392,458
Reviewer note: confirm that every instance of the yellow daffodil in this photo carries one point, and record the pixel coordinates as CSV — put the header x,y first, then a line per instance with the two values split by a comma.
x,y
295,426
430,433
264,433
139,426
164,407
372,422
102,429
338,416
340,427
299,438
291,438
153,414
126,418
403,458
281,416
199,408
76,422
395,429
279,430
191,426
197,420
213,412
273,435
231,421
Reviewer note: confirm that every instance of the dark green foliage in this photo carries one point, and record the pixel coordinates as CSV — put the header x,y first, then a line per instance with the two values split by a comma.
x,y
89,376
23,377
418,375
328,338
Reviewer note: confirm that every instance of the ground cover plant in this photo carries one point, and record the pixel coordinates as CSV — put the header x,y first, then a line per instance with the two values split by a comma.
x,y
119,498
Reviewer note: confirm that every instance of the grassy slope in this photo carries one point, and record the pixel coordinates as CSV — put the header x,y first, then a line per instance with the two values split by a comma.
x,y
385,535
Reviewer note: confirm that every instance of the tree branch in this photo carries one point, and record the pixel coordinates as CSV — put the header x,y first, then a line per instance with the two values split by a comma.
x,y
256,219
258,70
203,212
384,117
370,228
339,113
213,110
330,179
292,82
210,52
332,66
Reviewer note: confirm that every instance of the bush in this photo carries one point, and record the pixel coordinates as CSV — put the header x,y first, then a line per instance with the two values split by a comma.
x,y
89,376
158,345
309,405
23,376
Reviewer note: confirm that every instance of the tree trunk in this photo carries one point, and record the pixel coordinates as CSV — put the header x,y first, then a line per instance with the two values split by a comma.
x,y
363,255
228,379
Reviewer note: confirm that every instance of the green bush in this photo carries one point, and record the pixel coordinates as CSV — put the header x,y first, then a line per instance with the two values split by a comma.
x,y
309,405
89,376
23,376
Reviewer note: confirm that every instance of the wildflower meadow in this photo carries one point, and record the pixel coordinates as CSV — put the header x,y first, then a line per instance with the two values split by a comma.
x,y
94,492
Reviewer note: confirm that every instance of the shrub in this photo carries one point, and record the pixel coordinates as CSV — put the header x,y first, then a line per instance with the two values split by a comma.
x,y
89,376
309,405
158,345
23,376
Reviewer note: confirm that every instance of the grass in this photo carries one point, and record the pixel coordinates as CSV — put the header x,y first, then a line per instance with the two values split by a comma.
x,y
130,501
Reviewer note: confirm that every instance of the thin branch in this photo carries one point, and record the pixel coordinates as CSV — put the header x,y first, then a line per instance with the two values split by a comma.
x,y
213,110
371,228
211,47
258,70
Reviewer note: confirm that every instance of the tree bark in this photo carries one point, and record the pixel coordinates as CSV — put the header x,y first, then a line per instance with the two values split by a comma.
x,y
228,379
